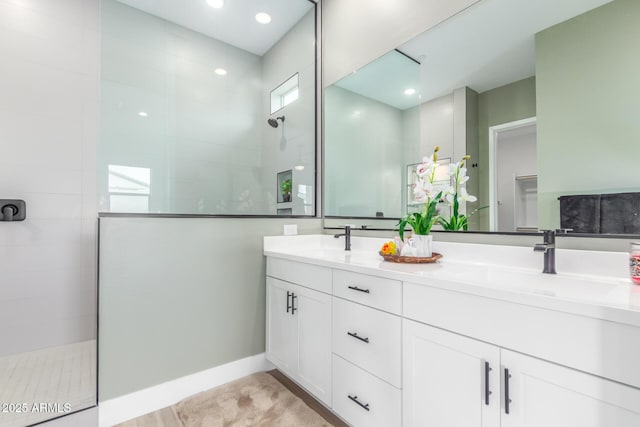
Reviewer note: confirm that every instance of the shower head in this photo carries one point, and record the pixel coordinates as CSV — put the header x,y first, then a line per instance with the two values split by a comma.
x,y
274,122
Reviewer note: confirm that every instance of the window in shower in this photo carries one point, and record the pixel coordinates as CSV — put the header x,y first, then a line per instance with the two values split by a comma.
x,y
285,94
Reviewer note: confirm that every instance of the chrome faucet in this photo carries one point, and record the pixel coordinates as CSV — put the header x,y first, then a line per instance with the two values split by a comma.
x,y
548,247
347,237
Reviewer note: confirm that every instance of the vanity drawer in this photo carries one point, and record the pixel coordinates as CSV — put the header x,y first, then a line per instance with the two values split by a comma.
x,y
362,399
378,292
308,275
369,338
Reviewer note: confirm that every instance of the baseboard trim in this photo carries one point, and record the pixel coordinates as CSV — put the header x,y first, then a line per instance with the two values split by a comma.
x,y
123,408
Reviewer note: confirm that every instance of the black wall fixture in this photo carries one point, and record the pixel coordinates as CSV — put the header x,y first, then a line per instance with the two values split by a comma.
x,y
12,210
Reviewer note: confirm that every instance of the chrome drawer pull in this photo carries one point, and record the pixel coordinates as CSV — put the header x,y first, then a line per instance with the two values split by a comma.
x,y
356,336
355,288
364,406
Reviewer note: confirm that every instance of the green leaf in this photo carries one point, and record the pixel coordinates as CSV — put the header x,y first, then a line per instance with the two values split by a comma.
x,y
402,225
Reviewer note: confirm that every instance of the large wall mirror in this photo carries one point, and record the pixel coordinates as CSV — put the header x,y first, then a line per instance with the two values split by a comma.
x,y
544,97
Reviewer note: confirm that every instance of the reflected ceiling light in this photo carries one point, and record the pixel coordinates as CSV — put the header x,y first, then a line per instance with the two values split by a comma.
x,y
299,168
220,71
215,3
410,91
143,114
263,18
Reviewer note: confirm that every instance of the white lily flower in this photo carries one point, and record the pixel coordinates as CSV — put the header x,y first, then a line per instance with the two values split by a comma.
x,y
452,168
427,186
425,168
466,197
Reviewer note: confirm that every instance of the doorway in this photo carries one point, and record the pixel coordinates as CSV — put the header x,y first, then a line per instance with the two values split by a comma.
x,y
513,176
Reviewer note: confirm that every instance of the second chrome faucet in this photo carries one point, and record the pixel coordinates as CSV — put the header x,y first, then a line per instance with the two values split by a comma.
x,y
548,247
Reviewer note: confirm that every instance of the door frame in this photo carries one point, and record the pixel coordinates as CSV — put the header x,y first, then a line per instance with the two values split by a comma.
x,y
494,131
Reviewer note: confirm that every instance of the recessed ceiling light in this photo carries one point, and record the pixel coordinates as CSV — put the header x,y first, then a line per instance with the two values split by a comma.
x,y
215,3
220,71
263,18
410,91
299,168
143,114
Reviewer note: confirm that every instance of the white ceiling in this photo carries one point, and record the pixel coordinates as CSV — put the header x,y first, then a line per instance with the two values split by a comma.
x,y
386,79
486,46
234,23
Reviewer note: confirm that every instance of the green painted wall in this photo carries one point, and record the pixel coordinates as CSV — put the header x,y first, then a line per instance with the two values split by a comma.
x,y
180,295
515,101
588,91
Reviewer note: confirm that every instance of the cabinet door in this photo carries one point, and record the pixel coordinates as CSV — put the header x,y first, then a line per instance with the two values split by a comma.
x,y
448,379
543,394
282,327
313,312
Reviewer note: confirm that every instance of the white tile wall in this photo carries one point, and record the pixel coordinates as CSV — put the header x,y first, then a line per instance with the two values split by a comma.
x,y
48,122
350,159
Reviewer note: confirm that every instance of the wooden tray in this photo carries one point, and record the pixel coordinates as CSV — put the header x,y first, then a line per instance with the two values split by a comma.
x,y
411,259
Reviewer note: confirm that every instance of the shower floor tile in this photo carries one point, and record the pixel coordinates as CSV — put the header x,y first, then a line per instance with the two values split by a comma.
x,y
48,383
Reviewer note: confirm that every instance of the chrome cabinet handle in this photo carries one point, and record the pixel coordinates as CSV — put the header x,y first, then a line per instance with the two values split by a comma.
x,y
288,304
364,406
355,288
358,337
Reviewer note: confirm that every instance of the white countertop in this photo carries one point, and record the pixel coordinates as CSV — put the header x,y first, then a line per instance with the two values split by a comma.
x,y
588,283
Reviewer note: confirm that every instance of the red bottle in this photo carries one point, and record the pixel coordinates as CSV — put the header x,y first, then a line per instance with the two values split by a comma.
x,y
634,262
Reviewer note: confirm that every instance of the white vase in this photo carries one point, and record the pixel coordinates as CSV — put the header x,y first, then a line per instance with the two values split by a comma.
x,y
422,244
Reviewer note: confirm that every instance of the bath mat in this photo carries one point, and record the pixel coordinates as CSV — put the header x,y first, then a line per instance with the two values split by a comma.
x,y
256,400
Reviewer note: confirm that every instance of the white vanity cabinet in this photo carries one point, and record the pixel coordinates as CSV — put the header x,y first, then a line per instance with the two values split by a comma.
x,y
451,380
298,334
367,347
543,394
382,351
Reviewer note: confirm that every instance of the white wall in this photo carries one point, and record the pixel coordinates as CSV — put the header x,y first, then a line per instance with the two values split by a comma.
x,y
516,155
436,127
355,32
48,127
294,53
